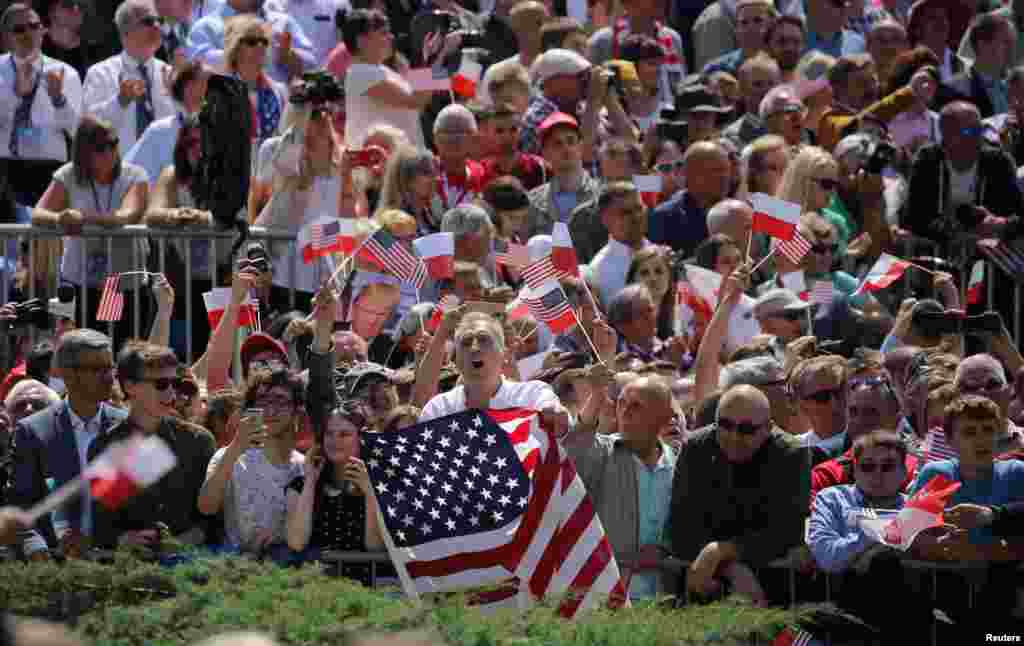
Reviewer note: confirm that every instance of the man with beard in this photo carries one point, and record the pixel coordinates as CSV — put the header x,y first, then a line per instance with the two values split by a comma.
x,y
625,218
785,40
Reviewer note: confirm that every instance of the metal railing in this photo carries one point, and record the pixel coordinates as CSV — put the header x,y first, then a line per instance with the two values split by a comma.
x,y
157,240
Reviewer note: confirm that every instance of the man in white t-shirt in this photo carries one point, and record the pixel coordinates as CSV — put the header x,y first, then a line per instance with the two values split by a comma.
x,y
479,357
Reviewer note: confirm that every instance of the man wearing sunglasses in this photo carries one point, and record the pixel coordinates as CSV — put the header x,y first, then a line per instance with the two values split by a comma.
x,y
40,98
818,386
739,496
54,442
983,374
782,314
873,583
130,90
148,374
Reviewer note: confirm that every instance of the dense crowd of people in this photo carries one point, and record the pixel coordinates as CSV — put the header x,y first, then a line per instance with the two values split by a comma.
x,y
729,395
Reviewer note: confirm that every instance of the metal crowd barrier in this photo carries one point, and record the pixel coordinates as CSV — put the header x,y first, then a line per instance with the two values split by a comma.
x,y
157,240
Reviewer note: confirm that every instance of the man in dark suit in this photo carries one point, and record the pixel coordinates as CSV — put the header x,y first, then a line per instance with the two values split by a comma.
x,y
50,447
994,40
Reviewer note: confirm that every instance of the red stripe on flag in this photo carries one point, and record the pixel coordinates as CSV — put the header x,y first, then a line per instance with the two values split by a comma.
x,y
776,228
556,552
113,492
588,574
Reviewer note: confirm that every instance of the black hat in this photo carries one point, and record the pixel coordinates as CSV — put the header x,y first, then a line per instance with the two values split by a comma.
x,y
697,98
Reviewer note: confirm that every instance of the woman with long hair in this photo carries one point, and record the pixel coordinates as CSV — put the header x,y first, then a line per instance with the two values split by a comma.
x,y
810,180
96,188
763,162
410,181
332,506
652,267
719,253
246,41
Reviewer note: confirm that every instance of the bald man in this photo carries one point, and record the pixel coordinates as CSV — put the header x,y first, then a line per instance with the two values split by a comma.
x,y
740,493
982,374
681,222
628,475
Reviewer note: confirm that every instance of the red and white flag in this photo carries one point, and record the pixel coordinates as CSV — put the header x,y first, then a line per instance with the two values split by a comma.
x,y
445,305
976,283
795,248
563,253
217,302
886,271
320,238
899,528
128,467
111,301
437,251
465,80
649,187
775,217
506,510
699,290
518,309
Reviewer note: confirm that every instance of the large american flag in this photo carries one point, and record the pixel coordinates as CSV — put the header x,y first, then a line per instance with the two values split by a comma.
x,y
111,301
1007,255
384,250
489,497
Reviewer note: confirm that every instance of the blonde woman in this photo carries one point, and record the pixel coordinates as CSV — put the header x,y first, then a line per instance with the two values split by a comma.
x,y
367,180
811,179
762,165
246,41
409,184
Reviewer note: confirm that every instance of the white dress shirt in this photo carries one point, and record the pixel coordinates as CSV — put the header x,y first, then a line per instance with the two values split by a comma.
x,y
610,267
155,150
103,85
316,17
85,432
44,138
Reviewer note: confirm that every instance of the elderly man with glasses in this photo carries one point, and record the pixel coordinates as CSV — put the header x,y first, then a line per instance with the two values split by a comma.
x,y
54,443
983,375
724,518
41,100
782,112
818,386
131,90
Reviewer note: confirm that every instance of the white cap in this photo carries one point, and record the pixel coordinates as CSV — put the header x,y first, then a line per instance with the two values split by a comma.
x,y
557,62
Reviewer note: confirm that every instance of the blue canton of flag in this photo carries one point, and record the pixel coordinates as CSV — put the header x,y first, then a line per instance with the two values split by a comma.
x,y
446,479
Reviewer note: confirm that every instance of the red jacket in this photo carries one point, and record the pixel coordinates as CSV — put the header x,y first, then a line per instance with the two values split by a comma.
x,y
839,471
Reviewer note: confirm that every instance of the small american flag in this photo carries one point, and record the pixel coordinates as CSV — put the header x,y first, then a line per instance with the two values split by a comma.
x,y
794,250
325,236
1007,255
385,251
490,497
539,271
548,303
822,292
793,637
111,301
936,447
511,254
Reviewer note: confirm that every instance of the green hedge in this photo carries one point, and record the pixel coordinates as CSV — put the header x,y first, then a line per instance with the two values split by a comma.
x,y
135,603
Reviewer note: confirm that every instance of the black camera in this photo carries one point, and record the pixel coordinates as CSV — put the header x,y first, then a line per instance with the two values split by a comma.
x,y
677,131
477,39
881,156
317,89
31,313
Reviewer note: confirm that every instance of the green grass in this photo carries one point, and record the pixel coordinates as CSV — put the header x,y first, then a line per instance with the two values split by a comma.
x,y
133,603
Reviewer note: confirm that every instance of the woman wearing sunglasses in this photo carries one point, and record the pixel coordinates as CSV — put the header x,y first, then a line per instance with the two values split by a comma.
x,y
96,188
332,506
246,43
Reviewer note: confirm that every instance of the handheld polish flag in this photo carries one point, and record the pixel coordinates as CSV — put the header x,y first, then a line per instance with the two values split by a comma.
x,y
775,217
217,302
128,467
886,271
447,304
649,187
547,303
899,529
320,238
111,301
700,294
518,308
466,78
976,283
563,254
437,250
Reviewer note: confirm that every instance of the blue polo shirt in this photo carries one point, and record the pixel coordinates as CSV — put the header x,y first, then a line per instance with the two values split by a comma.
x,y
678,223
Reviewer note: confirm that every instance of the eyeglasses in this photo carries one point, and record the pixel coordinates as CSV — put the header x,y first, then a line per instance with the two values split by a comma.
x,y
668,167
255,41
789,108
883,467
266,364
743,428
822,249
972,131
151,21
827,183
991,386
823,396
26,27
869,382
790,316
106,145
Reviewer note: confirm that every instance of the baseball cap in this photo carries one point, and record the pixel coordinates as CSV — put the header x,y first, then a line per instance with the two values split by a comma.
x,y
366,371
257,343
554,120
558,62
776,301
697,98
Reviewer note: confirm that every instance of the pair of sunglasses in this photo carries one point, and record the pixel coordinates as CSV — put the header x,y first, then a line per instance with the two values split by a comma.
x,y
27,27
822,249
256,41
823,396
668,167
883,467
743,428
827,183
